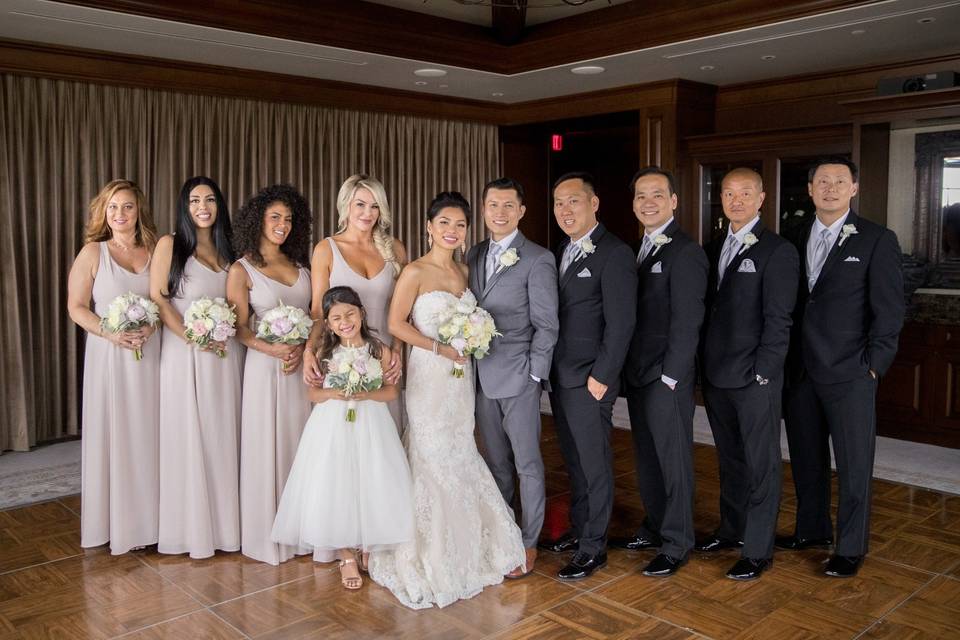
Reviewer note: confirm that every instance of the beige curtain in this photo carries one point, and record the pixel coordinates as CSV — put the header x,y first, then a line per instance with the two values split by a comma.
x,y
61,141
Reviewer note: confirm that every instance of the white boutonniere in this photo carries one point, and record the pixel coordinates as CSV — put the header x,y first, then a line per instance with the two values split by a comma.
x,y
659,242
587,247
507,259
748,241
846,231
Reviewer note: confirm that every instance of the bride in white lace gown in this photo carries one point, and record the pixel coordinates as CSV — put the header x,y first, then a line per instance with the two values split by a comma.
x,y
466,537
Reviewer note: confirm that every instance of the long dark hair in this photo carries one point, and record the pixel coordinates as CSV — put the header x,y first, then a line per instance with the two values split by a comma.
x,y
329,340
185,238
248,224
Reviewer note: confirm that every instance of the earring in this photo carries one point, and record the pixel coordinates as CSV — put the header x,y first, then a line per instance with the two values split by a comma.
x,y
430,241
463,248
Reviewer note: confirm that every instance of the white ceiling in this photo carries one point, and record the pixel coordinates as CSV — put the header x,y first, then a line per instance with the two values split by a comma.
x,y
538,11
891,32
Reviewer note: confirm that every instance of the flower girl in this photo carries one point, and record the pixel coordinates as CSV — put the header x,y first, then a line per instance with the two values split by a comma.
x,y
349,487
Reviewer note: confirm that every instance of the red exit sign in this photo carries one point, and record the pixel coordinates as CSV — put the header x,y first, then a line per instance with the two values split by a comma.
x,y
556,142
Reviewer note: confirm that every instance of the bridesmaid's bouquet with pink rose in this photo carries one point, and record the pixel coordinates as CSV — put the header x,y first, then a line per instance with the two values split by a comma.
x,y
209,320
285,324
469,329
353,370
129,312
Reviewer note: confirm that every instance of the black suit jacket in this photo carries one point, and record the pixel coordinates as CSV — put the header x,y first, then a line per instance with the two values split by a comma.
x,y
597,298
746,329
671,284
851,321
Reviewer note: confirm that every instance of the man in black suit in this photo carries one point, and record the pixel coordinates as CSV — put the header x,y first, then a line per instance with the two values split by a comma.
x,y
750,295
597,288
845,329
659,373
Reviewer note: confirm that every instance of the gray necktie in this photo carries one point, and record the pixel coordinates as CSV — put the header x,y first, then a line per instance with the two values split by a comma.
x,y
645,249
568,256
729,250
820,252
493,254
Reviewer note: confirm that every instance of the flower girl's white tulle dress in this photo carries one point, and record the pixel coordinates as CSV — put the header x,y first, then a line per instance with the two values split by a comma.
x,y
349,486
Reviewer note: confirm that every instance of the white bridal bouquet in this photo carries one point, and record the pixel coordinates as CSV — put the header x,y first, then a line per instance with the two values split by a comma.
x,y
285,324
353,370
129,312
468,329
209,320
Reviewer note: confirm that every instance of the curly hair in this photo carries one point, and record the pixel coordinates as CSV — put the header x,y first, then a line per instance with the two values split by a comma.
x,y
248,225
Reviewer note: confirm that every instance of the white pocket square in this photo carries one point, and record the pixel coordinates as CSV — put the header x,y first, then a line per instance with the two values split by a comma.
x,y
584,274
852,259
747,267
657,267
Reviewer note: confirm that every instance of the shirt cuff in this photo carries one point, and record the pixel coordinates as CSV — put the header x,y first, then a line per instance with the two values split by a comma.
x,y
667,380
535,378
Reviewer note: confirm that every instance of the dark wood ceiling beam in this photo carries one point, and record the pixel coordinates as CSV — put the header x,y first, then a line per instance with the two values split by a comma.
x,y
365,26
509,21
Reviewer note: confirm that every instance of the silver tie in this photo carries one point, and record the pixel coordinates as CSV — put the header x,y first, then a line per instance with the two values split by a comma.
x,y
645,249
726,257
568,256
820,252
493,254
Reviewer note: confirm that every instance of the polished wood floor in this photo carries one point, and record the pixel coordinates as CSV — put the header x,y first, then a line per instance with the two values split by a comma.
x,y
909,587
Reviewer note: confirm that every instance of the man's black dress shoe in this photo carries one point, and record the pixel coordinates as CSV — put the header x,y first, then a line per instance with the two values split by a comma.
x,y
748,568
796,543
582,566
843,566
566,542
716,543
634,543
663,566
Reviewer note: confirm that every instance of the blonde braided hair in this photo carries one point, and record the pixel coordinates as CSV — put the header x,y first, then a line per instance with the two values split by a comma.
x,y
382,238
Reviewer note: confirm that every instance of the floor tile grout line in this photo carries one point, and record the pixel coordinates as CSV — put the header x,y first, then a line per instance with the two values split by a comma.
x,y
66,507
620,605
903,602
40,564
228,623
253,593
155,624
533,615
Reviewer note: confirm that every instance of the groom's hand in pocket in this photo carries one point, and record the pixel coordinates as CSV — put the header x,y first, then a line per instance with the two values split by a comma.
x,y
596,388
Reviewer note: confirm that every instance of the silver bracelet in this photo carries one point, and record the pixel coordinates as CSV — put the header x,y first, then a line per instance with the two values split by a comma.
x,y
436,348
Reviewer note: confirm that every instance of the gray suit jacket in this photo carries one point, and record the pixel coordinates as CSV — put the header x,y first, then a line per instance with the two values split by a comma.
x,y
523,302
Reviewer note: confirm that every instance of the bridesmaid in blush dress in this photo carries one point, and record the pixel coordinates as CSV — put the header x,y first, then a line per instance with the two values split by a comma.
x,y
119,483
272,233
365,257
199,391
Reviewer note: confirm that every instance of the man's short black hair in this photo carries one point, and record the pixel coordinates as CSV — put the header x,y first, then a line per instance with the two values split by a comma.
x,y
588,180
849,164
653,170
502,183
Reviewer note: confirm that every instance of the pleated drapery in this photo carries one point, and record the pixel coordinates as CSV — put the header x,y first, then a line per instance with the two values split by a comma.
x,y
60,142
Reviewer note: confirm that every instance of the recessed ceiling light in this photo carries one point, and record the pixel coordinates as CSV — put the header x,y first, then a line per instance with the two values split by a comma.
x,y
497,95
589,70
707,67
768,57
420,83
430,73
858,32
926,20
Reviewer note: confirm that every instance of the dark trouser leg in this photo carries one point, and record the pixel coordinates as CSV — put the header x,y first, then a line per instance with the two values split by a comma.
x,y
722,412
851,413
807,436
646,464
571,462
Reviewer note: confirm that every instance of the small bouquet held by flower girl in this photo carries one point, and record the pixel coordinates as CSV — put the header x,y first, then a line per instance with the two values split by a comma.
x,y
468,329
354,370
285,324
129,312
209,320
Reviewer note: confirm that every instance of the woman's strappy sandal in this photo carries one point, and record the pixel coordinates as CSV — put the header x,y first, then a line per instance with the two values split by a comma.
x,y
350,582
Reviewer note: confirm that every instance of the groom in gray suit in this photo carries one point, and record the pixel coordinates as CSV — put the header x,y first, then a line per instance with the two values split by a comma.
x,y
516,281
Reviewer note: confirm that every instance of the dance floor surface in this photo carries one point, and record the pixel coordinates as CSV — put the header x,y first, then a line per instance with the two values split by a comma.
x,y
908,588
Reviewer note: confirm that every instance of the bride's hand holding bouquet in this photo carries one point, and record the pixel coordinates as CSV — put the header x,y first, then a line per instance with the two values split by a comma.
x,y
468,331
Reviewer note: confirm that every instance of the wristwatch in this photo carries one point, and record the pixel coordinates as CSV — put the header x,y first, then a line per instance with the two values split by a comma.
x,y
761,380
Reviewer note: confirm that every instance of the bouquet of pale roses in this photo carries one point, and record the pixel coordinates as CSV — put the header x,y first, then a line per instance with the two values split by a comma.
x,y
209,320
285,324
468,329
129,312
353,370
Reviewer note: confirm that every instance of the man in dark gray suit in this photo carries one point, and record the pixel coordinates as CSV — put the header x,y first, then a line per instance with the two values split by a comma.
x,y
750,296
597,300
659,374
516,281
846,325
